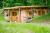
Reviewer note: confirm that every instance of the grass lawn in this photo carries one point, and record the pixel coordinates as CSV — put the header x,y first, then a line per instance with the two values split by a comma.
x,y
6,27
1,17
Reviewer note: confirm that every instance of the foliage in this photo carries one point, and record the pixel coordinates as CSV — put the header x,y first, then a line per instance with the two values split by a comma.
x,y
1,3
48,3
11,3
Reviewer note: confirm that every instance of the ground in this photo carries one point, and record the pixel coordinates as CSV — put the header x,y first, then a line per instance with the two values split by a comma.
x,y
7,27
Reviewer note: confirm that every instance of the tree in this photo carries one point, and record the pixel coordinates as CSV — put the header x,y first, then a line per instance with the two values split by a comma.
x,y
1,3
48,3
8,3
11,3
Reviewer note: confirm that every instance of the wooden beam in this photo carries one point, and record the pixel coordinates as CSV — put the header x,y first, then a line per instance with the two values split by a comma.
x,y
19,17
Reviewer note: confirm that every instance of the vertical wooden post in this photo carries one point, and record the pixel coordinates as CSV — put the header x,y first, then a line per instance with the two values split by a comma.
x,y
37,12
45,11
19,17
34,11
31,10
9,15
41,11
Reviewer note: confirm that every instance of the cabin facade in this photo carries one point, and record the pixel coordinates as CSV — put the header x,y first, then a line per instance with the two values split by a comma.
x,y
21,13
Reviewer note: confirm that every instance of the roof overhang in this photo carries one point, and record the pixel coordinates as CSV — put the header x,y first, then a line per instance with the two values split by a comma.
x,y
16,7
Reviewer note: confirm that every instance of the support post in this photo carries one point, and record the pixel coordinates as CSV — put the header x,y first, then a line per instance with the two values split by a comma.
x,y
19,17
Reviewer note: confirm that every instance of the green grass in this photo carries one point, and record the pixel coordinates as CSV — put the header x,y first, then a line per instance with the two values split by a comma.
x,y
1,17
6,27
43,18
1,10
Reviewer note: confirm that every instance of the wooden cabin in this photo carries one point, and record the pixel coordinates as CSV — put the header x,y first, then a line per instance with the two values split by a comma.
x,y
21,13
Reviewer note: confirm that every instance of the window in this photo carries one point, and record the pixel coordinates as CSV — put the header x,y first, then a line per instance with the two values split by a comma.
x,y
43,12
14,13
30,13
39,12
